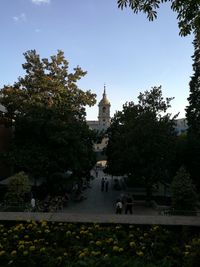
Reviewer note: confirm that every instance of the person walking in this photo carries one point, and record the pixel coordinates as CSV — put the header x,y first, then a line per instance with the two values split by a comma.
x,y
106,184
102,184
129,205
119,207
33,207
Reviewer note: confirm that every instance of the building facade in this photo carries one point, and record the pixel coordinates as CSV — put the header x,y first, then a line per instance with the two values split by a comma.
x,y
103,122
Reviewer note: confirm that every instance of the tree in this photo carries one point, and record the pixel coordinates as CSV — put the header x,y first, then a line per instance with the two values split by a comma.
x,y
184,196
193,109
47,111
18,187
193,116
141,139
188,11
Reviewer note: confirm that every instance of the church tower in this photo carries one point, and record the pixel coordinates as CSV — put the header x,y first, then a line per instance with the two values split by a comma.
x,y
104,112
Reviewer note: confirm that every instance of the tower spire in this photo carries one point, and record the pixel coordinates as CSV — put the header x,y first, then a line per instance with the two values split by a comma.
x,y
104,91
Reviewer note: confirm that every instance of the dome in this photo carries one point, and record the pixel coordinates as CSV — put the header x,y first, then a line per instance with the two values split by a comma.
x,y
104,100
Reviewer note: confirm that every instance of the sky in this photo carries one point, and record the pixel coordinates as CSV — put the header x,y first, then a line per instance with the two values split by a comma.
x,y
117,48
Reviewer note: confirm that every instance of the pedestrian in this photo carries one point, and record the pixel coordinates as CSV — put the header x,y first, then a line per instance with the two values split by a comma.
x,y
129,204
106,184
102,184
119,207
33,207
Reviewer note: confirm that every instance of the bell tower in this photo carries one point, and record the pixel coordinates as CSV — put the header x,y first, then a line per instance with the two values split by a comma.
x,y
104,111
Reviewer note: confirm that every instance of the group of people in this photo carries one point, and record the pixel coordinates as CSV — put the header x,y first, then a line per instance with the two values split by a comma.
x,y
124,202
104,184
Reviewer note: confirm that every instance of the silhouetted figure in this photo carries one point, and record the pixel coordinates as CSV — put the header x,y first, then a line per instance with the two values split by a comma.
x,y
33,206
129,205
119,207
106,184
102,184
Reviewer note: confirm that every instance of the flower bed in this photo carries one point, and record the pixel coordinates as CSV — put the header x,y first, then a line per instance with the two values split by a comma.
x,y
65,244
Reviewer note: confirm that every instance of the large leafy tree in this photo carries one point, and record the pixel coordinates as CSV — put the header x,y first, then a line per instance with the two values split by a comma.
x,y
193,116
184,195
188,11
47,112
193,109
141,139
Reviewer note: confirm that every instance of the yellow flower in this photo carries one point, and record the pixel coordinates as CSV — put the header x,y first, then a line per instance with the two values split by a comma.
x,y
98,243
156,227
68,233
29,226
21,247
116,248
2,252
59,258
81,255
95,253
32,248
132,244
110,240
25,253
139,253
42,250
13,253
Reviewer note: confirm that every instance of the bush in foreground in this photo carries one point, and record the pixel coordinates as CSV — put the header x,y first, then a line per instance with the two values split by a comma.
x,y
77,245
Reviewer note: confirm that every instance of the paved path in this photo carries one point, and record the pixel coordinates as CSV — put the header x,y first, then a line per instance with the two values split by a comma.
x,y
99,208
98,202
101,218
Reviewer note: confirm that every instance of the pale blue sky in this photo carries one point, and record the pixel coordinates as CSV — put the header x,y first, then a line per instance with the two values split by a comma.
x,y
125,51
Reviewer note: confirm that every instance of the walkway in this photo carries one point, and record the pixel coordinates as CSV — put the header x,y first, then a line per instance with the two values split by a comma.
x,y
99,208
98,202
100,218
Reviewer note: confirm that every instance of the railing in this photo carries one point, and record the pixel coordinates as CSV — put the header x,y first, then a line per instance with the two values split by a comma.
x,y
173,212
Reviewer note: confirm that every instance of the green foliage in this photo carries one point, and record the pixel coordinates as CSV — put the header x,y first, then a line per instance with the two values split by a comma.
x,y
188,11
18,187
193,116
47,110
141,139
183,192
48,244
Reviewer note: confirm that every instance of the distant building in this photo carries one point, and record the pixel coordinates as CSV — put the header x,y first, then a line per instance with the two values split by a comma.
x,y
181,126
103,121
